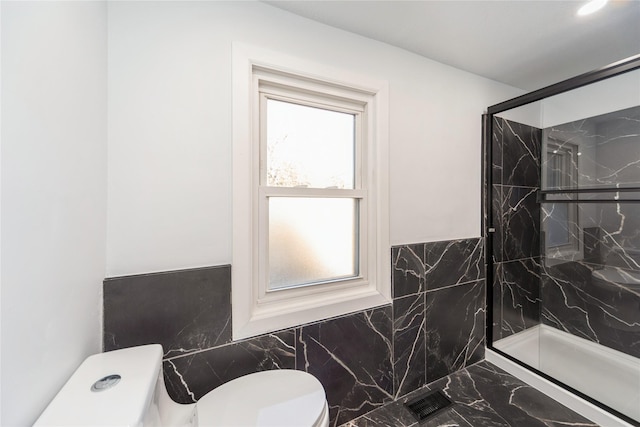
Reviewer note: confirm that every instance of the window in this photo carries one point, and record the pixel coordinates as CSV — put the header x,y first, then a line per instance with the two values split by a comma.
x,y
561,219
310,188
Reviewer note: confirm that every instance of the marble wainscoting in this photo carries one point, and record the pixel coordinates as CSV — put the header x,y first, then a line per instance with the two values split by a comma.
x,y
439,310
352,357
482,395
189,313
364,360
185,311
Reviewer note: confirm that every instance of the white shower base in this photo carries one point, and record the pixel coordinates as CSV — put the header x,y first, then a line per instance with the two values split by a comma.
x,y
606,375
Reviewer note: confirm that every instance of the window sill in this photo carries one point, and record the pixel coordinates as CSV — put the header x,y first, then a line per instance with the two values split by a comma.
x,y
282,314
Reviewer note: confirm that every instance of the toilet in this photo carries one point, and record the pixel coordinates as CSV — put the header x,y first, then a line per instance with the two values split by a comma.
x,y
126,388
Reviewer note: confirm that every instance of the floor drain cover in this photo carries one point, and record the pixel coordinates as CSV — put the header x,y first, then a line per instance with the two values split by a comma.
x,y
427,405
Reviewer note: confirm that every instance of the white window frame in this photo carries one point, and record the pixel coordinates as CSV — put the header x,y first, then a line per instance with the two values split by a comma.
x,y
255,310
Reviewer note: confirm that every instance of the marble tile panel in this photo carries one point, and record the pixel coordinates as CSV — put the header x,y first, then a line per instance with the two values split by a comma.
x,y
497,236
185,311
609,147
453,262
409,351
520,284
520,220
576,298
520,154
408,264
487,396
620,234
392,414
190,377
496,147
352,357
455,320
483,395
496,307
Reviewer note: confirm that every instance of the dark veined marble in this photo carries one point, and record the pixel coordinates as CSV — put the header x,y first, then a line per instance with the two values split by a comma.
x,y
519,288
363,359
185,310
520,154
520,218
352,356
409,335
516,154
515,172
453,262
190,377
496,303
581,299
608,145
496,147
408,263
497,237
482,395
427,266
455,320
516,220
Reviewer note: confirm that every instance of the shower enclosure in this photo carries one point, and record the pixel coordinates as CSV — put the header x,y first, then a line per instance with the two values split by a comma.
x,y
562,220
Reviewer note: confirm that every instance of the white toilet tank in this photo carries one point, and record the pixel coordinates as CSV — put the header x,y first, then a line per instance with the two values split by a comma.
x,y
126,388
117,388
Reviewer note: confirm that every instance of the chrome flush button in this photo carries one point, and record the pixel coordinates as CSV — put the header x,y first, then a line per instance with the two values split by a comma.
x,y
106,382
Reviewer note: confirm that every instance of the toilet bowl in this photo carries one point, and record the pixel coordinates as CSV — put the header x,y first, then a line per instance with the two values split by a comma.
x,y
126,388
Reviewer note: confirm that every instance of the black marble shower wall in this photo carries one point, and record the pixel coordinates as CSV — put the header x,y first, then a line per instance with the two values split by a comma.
x,y
516,218
531,287
582,297
434,327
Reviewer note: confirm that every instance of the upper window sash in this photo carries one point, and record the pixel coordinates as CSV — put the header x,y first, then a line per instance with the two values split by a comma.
x,y
316,101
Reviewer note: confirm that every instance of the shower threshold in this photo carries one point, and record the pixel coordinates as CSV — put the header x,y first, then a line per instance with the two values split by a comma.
x,y
606,375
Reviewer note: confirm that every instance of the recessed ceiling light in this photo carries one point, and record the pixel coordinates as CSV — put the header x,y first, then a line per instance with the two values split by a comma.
x,y
592,6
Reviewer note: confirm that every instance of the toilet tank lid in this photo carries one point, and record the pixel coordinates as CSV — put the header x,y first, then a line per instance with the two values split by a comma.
x,y
122,404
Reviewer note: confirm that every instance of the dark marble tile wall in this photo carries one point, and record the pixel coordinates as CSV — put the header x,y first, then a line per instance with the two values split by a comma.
x,y
598,297
517,286
439,310
352,357
516,218
482,395
435,326
185,310
581,300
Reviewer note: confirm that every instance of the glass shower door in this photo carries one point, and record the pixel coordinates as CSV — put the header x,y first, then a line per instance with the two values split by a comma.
x,y
565,251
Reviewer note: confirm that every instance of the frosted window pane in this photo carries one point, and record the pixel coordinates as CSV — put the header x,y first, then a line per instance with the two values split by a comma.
x,y
311,240
309,146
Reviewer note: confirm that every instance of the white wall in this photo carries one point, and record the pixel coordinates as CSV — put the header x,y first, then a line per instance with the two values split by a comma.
x,y
528,114
168,163
170,129
53,197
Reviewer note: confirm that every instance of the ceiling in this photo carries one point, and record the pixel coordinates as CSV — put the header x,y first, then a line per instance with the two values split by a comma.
x,y
523,43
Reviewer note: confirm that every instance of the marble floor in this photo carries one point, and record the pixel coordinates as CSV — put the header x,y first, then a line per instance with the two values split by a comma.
x,y
482,395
